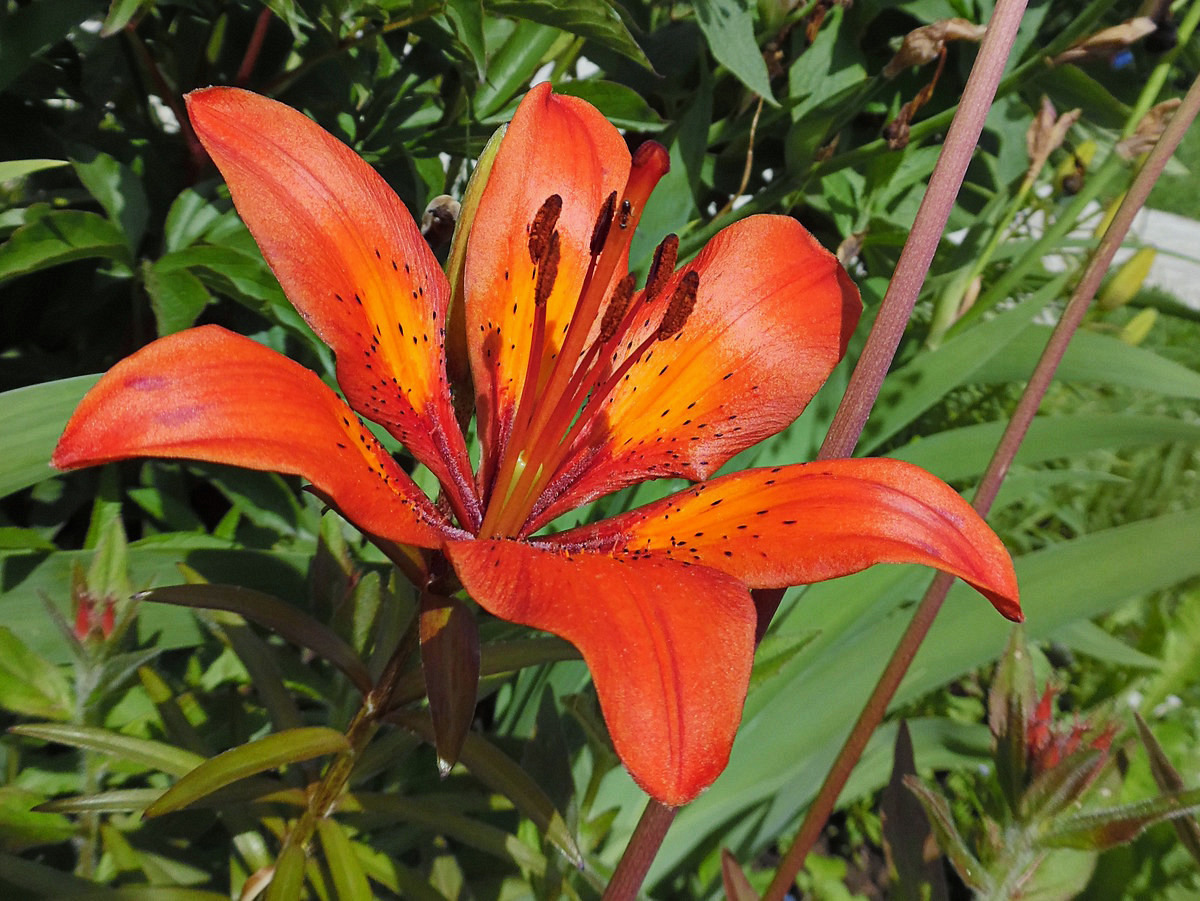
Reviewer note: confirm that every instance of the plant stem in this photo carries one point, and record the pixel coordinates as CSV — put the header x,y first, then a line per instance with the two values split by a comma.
x,y
323,799
928,226
1030,400
639,854
253,48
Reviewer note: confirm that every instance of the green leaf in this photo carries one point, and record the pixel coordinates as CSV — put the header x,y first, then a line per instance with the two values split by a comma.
x,y
176,296
622,106
35,27
1085,637
1091,357
349,880
964,453
1061,786
1100,830
467,18
12,169
728,26
1167,778
288,879
118,190
271,752
61,236
937,809
512,65
141,751
122,800
121,13
29,684
277,615
38,880
595,20
433,815
499,772
23,827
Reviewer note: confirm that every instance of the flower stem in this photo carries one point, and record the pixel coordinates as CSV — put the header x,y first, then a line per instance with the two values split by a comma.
x,y
322,799
643,845
928,226
1039,382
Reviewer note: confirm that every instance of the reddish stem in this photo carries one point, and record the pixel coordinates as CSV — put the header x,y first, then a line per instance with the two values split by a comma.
x,y
253,48
876,706
640,853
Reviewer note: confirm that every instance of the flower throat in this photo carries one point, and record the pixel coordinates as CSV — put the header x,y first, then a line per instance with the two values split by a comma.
x,y
557,410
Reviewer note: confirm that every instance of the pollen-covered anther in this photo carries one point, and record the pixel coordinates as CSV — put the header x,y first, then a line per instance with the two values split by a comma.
x,y
603,224
547,271
683,301
615,311
541,230
662,267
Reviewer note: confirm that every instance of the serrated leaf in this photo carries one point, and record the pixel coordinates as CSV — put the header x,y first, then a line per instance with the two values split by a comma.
x,y
728,26
595,20
271,752
277,615
29,684
61,236
141,751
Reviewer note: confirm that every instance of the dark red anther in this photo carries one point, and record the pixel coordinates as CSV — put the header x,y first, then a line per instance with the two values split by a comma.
x,y
547,271
683,301
615,311
542,227
603,224
662,266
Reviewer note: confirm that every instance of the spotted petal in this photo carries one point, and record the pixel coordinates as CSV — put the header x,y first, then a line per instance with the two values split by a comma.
x,y
773,314
352,261
794,525
208,394
669,647
555,144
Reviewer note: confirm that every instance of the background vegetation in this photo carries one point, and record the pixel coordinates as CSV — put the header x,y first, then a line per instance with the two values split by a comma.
x,y
116,230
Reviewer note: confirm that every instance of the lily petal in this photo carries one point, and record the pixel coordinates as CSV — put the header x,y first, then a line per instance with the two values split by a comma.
x,y
793,525
352,261
209,394
555,144
669,647
773,314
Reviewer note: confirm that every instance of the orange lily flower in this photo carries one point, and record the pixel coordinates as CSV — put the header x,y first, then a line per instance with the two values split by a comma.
x,y
583,385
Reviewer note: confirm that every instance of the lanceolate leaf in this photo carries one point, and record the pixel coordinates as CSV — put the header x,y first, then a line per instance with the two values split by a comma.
x,y
290,746
500,773
1102,829
153,754
1169,780
728,26
594,19
61,236
275,614
31,419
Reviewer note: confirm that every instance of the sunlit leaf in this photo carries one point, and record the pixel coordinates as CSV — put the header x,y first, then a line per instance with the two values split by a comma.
x,y
276,750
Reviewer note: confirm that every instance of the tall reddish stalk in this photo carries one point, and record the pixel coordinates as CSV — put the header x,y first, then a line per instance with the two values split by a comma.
x,y
881,347
876,706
